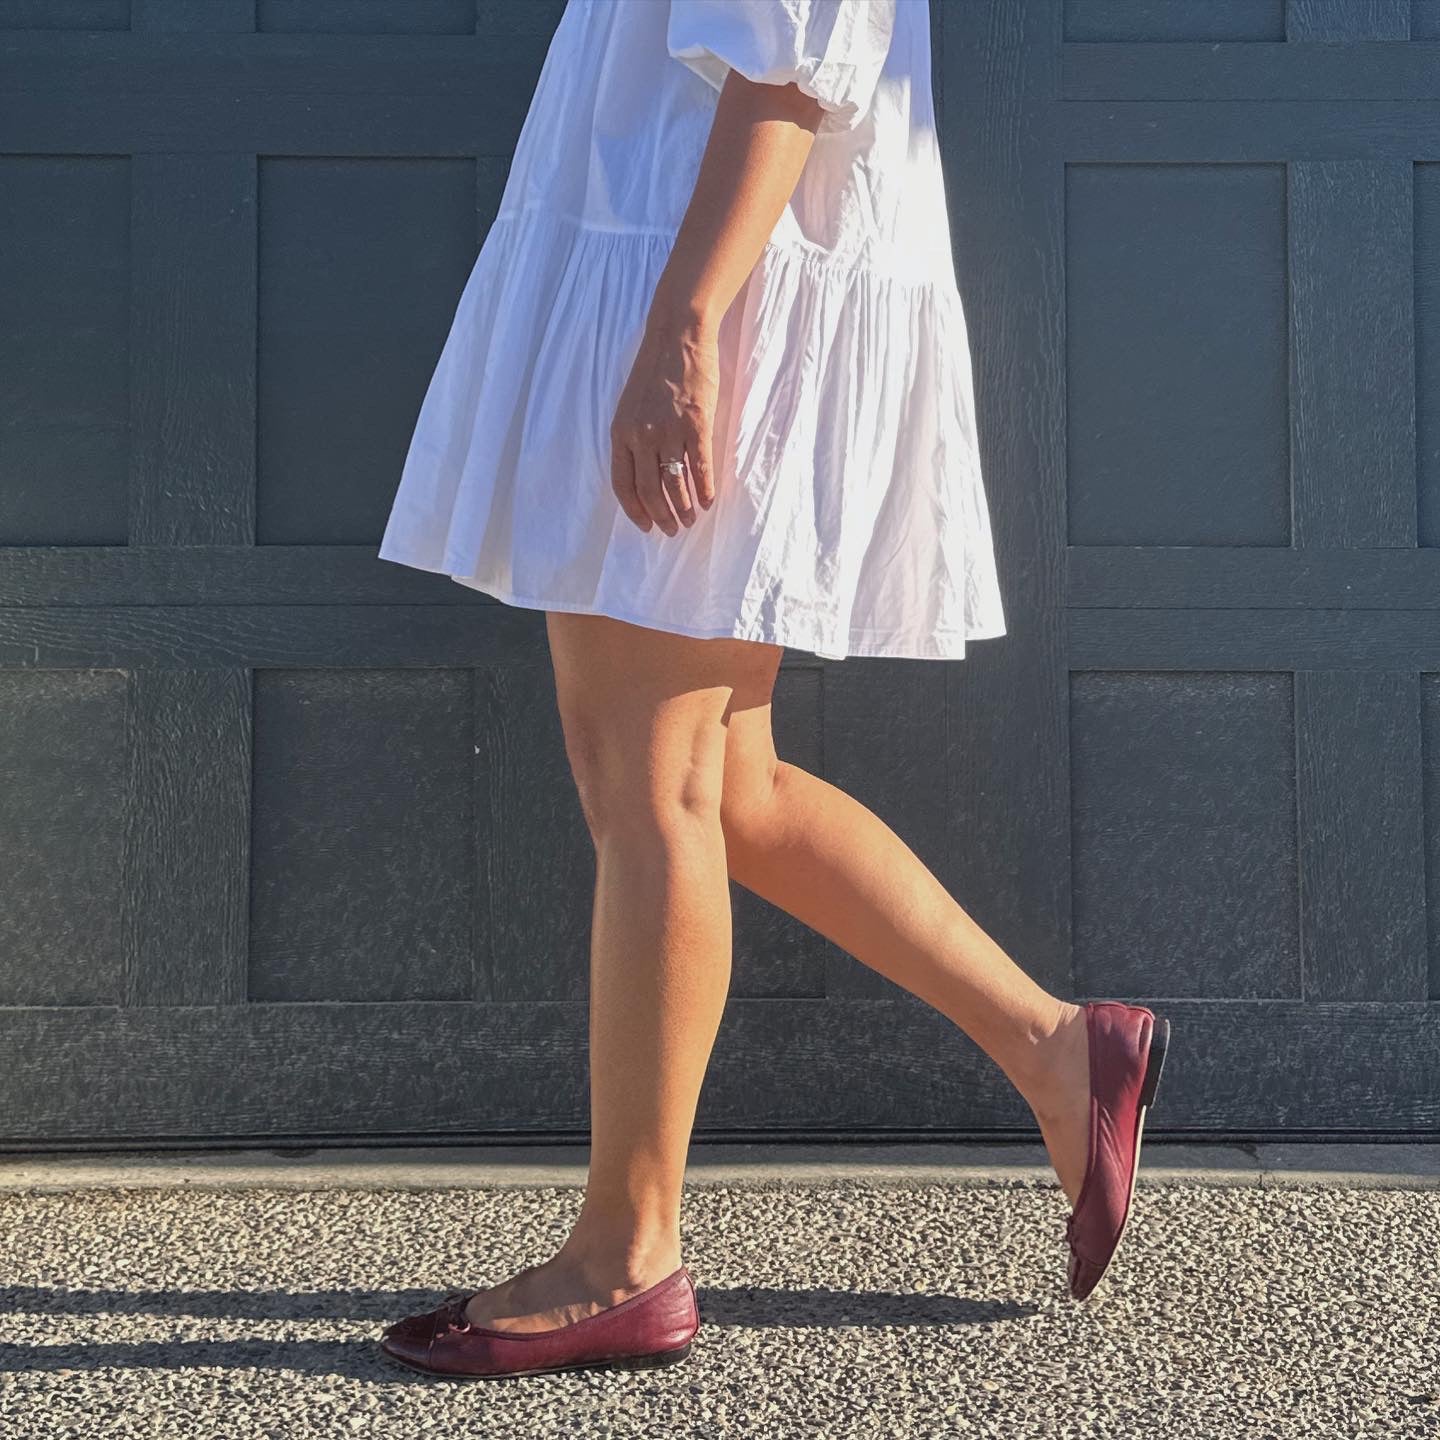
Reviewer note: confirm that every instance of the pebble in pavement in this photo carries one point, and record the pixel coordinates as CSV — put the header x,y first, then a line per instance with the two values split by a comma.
x,y
835,1309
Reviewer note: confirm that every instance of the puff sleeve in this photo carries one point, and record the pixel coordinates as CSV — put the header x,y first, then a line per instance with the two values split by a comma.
x,y
833,50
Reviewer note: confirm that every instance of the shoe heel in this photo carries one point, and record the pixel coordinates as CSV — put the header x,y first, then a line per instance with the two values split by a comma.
x,y
651,1362
1159,1043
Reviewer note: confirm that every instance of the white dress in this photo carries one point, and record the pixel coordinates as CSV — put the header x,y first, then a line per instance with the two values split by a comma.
x,y
850,516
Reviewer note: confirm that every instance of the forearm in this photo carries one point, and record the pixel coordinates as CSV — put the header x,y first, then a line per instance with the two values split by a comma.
x,y
759,141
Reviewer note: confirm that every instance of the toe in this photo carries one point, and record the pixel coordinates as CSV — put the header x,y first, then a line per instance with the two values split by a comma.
x,y
410,1339
1084,1276
405,1346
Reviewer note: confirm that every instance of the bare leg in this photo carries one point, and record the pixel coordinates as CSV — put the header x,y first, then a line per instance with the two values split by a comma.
x,y
816,852
644,714
671,746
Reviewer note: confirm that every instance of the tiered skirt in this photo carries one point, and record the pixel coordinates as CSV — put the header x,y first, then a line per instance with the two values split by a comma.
x,y
850,515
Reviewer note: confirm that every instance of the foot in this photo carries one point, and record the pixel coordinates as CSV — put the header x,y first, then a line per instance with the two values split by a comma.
x,y
560,1292
1061,1101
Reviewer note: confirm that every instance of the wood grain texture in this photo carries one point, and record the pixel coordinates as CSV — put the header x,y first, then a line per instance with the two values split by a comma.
x,y
811,1065
538,866
502,17
364,867
1185,855
366,17
1252,577
1150,251
1427,348
1308,127
1325,72
1352,268
76,15
362,264
1006,175
216,16
1361,812
187,837
356,96
64,373
270,636
1205,639
1143,20
62,827
1430,786
885,737
192,350
291,843
1237,577
1335,20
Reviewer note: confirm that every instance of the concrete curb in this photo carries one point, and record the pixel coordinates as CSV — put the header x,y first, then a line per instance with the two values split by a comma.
x,y
1352,1166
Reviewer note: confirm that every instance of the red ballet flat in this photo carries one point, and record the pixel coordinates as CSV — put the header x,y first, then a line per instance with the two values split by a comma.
x,y
1127,1052
654,1327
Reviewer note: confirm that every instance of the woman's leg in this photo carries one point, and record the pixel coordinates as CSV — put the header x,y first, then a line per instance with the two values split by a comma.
x,y
644,715
640,710
818,853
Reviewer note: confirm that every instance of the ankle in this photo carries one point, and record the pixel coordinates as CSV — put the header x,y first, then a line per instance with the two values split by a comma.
x,y
622,1260
1042,1069
621,1273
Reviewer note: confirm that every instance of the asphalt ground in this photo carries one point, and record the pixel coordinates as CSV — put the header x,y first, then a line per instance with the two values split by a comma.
x,y
882,1302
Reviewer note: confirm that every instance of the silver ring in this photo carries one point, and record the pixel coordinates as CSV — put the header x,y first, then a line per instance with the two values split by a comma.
x,y
673,467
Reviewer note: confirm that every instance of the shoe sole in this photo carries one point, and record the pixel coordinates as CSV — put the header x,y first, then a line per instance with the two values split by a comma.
x,y
624,1362
1154,1063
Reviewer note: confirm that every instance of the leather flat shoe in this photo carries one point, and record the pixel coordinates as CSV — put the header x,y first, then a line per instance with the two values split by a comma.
x,y
1127,1051
654,1327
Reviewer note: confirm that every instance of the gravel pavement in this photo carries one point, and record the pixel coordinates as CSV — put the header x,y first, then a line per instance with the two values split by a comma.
x,y
844,1308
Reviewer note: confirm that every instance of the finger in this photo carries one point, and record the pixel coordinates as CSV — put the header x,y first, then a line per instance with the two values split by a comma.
x,y
651,492
702,472
677,488
622,482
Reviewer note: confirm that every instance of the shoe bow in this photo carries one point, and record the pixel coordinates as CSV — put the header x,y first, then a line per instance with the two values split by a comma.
x,y
451,1315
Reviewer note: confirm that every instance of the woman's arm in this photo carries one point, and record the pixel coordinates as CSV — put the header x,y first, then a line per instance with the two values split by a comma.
x,y
759,141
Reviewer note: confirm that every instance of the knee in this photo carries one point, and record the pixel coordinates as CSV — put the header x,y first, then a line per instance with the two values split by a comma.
x,y
628,778
747,796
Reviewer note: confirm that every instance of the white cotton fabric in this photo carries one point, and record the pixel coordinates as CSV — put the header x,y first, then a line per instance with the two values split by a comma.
x,y
850,516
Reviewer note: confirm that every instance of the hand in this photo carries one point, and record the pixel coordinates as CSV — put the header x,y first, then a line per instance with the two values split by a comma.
x,y
666,411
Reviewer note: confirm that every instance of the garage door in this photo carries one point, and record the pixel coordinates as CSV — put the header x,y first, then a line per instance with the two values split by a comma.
x,y
290,844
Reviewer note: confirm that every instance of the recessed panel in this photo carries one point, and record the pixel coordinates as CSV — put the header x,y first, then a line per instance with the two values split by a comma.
x,y
1427,348
65,319
64,14
363,851
1174,20
1341,21
368,17
361,263
1425,19
1177,355
1184,862
63,782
